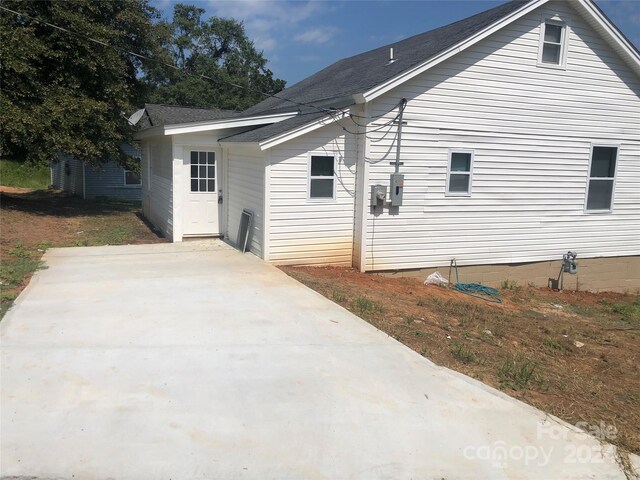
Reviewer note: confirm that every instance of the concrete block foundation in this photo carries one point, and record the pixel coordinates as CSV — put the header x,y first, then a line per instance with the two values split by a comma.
x,y
610,274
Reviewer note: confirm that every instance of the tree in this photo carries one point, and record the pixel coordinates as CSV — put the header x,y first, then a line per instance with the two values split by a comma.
x,y
61,92
217,48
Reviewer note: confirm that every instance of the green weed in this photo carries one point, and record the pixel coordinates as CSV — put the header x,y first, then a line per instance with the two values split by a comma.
x,y
363,305
517,373
420,333
461,352
338,297
552,344
510,285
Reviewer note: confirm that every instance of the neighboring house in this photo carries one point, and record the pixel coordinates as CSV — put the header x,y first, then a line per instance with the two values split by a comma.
x,y
520,141
109,179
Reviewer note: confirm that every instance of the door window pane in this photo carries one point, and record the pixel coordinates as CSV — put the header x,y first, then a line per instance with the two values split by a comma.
x,y
203,171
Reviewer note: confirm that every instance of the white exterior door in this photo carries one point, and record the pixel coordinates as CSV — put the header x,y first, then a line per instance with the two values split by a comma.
x,y
201,203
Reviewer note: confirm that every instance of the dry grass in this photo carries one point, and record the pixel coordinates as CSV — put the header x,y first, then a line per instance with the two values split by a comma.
x,y
574,355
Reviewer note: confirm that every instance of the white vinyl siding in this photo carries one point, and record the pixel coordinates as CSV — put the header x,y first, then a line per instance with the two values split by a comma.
x,y
311,232
157,200
246,190
531,130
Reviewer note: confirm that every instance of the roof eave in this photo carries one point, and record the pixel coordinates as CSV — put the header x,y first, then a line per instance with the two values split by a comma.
x,y
618,41
296,132
193,127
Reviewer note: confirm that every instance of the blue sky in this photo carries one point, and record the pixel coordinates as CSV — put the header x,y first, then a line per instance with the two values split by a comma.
x,y
301,37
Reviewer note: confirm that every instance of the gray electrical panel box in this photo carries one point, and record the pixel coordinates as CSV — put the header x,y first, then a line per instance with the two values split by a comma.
x,y
397,187
378,195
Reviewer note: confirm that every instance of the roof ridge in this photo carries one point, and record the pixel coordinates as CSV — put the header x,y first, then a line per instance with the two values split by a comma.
x,y
185,106
442,27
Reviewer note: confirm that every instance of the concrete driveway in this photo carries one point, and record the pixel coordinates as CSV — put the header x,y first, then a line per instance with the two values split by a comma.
x,y
192,361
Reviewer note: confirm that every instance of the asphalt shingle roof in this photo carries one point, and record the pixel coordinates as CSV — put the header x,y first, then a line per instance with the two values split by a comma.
x,y
332,86
262,133
364,71
156,114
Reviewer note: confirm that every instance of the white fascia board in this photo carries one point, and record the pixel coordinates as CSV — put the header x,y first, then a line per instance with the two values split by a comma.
x,y
296,132
193,127
241,146
624,48
418,69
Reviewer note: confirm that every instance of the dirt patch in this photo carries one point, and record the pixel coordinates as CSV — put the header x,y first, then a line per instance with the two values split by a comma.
x,y
573,354
35,220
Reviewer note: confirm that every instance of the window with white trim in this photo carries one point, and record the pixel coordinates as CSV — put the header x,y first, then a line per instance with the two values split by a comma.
x,y
602,174
322,178
131,177
553,43
459,172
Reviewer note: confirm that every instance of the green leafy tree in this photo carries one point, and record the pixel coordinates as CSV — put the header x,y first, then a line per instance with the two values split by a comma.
x,y
61,92
217,48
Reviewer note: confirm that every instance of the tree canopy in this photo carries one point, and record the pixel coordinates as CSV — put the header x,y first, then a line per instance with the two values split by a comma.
x,y
217,48
62,92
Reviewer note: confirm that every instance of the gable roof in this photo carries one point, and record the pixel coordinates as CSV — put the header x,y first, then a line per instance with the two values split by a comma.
x,y
364,71
363,77
157,114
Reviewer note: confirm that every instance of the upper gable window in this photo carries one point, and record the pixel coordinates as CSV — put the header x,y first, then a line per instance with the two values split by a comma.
x,y
553,43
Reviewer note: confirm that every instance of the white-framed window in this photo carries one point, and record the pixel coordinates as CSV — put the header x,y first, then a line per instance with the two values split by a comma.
x,y
553,44
602,178
459,172
322,176
131,178
203,171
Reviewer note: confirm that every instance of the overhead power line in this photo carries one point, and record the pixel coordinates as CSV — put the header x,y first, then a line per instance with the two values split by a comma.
x,y
329,111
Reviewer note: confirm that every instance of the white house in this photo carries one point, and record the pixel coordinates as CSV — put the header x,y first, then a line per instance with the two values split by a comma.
x,y
520,140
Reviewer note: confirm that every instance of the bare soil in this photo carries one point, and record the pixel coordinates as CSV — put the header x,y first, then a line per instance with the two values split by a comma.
x,y
575,355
